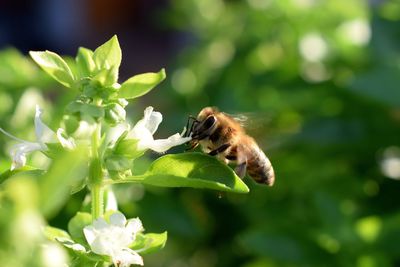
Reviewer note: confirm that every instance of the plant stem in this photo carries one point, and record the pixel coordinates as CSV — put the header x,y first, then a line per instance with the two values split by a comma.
x,y
97,201
96,177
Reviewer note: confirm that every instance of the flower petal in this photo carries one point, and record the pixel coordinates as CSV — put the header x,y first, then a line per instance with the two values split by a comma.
x,y
90,234
152,119
101,245
118,219
115,132
134,225
114,239
18,153
68,143
141,133
127,257
86,127
100,224
162,145
19,160
111,203
43,133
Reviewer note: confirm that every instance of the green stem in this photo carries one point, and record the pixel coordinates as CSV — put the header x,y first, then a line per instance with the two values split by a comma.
x,y
97,201
95,141
96,177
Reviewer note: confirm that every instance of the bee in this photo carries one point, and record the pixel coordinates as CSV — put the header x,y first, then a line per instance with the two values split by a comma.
x,y
220,135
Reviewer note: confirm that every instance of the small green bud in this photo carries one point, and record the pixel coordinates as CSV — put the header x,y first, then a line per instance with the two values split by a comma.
x,y
114,113
128,148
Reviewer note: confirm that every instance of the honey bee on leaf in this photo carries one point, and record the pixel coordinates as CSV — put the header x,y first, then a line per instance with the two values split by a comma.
x,y
223,136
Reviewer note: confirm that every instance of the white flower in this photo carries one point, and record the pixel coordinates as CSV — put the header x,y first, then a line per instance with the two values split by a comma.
x,y
43,135
113,239
146,127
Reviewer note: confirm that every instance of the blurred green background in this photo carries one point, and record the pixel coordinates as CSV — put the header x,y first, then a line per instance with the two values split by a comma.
x,y
320,81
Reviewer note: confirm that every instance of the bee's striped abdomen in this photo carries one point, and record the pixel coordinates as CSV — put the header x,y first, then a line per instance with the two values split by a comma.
x,y
260,168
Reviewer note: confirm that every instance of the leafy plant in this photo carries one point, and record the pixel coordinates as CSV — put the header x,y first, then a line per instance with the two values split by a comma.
x,y
95,148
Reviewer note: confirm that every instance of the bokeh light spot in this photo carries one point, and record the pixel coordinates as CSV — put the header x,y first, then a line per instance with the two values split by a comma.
x,y
390,163
184,81
356,32
220,53
329,243
314,72
369,228
313,47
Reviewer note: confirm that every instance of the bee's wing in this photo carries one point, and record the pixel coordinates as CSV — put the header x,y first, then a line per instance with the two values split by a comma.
x,y
252,121
258,125
242,119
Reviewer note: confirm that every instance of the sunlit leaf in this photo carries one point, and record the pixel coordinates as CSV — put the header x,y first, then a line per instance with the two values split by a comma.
x,y
55,66
84,257
76,225
196,170
52,233
108,55
84,62
107,77
148,243
141,84
69,168
23,170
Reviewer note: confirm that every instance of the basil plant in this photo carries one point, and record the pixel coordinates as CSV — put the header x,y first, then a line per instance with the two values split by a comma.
x,y
95,147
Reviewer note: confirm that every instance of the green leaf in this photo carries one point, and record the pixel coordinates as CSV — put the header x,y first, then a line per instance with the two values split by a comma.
x,y
83,256
140,84
55,66
53,150
23,170
51,233
196,170
76,225
71,245
85,63
107,77
67,169
88,260
148,243
108,55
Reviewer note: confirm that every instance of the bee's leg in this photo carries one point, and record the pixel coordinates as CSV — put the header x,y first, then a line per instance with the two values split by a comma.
x,y
241,162
192,146
241,169
191,122
219,150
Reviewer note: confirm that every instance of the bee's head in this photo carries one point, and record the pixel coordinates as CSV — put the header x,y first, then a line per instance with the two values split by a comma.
x,y
201,127
206,112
